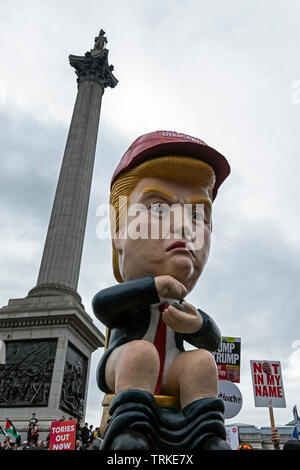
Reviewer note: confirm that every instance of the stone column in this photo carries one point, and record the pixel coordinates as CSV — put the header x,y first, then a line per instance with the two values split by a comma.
x,y
47,338
60,265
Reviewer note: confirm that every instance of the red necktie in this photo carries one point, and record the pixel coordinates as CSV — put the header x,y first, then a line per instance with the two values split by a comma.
x,y
160,344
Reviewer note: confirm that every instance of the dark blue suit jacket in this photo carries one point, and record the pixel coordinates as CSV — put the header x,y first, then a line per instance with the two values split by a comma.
x,y
125,310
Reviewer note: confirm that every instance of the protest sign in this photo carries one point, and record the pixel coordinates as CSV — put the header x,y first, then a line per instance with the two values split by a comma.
x,y
231,396
62,435
267,384
296,429
228,359
296,432
232,436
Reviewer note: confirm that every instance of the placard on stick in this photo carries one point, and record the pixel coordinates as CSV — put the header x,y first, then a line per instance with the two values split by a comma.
x,y
267,384
228,359
62,435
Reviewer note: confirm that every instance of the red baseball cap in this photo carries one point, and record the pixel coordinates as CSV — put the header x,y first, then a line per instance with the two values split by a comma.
x,y
163,143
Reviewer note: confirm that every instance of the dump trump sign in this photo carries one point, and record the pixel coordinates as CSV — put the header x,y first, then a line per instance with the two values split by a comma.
x,y
228,359
267,384
62,435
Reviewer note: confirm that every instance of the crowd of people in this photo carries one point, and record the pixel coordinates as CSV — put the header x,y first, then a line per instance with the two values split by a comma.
x,y
87,438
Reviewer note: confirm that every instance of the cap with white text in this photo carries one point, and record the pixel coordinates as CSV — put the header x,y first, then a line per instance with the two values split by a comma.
x,y
163,143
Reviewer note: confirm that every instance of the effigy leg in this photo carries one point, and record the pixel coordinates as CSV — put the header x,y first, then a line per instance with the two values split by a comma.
x,y
127,427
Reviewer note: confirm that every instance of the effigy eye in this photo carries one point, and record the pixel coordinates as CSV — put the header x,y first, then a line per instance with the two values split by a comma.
x,y
198,216
160,209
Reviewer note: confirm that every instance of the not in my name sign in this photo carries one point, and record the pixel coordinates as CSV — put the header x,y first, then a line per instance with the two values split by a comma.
x,y
267,384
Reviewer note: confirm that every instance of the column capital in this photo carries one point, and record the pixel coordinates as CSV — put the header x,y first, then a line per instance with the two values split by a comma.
x,y
93,66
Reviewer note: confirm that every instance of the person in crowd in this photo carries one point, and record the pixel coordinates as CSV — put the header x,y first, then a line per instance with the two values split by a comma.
x,y
95,445
77,444
24,444
91,434
28,429
44,445
245,447
78,429
293,444
96,433
32,428
33,419
47,441
275,438
85,434
18,440
6,445
39,445
33,437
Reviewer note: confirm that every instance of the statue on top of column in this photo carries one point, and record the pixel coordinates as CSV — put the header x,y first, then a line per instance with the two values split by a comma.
x,y
100,41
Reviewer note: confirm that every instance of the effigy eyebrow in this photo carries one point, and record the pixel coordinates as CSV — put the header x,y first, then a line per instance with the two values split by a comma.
x,y
158,190
200,200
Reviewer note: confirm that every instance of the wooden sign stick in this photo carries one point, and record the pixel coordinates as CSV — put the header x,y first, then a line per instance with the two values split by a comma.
x,y
271,413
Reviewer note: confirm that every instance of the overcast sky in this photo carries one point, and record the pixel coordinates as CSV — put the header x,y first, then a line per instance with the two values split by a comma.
x,y
225,72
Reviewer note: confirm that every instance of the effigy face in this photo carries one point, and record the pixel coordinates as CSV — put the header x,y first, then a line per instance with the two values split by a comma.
x,y
167,231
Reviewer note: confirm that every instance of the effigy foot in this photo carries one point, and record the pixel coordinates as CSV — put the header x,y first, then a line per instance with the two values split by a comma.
x,y
136,422
130,440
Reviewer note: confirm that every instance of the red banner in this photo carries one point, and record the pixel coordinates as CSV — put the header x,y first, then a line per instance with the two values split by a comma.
x,y
62,435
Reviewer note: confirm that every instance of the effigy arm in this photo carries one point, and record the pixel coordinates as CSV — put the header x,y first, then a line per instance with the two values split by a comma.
x,y
110,304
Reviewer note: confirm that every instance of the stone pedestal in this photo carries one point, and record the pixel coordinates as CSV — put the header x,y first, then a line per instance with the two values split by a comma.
x,y
48,346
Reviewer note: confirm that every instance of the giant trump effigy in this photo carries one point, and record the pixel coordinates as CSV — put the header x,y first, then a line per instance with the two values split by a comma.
x,y
161,396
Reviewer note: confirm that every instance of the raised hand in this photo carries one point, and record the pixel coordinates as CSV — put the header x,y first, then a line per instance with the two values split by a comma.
x,y
168,286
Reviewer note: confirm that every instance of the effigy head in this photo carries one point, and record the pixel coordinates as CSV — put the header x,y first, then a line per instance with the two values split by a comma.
x,y
162,193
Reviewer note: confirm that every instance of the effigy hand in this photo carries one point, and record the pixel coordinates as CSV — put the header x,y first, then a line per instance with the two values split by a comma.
x,y
179,321
168,286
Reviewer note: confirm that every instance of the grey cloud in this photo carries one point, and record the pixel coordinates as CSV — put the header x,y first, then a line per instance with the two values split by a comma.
x,y
30,161
251,284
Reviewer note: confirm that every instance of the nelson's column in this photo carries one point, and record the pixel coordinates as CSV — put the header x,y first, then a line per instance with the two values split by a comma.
x,y
48,337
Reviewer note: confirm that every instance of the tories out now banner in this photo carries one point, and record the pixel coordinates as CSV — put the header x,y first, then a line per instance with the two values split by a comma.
x,y
228,359
62,435
267,384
